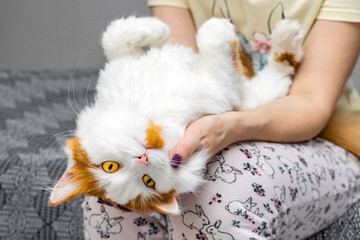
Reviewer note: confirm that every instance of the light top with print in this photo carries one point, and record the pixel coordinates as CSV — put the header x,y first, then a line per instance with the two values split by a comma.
x,y
255,19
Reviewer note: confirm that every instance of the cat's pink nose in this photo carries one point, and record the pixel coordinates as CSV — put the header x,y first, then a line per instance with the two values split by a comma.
x,y
143,159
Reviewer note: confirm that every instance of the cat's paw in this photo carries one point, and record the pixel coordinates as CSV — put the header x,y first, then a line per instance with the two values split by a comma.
x,y
287,38
215,32
127,36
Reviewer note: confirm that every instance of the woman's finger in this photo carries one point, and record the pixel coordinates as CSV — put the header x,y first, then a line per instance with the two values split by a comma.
x,y
182,151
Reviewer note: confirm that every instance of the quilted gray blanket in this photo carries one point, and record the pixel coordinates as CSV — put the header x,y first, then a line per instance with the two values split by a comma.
x,y
37,114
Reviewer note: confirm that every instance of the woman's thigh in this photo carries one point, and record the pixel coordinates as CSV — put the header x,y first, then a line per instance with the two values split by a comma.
x,y
254,190
260,190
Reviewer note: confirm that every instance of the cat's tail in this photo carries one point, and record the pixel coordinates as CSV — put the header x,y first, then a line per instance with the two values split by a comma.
x,y
129,36
343,129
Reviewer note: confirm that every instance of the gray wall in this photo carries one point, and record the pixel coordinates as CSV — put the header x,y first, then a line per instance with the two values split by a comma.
x,y
57,34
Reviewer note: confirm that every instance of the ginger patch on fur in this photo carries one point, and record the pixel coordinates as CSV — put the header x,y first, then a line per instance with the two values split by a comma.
x,y
286,58
247,65
153,138
241,62
79,179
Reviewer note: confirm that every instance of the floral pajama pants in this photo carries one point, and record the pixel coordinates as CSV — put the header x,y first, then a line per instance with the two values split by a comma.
x,y
255,190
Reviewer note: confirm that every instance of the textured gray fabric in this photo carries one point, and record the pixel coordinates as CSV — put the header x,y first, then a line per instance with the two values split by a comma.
x,y
35,120
34,115
347,227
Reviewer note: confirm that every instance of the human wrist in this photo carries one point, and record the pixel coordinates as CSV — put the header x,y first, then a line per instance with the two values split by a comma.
x,y
243,125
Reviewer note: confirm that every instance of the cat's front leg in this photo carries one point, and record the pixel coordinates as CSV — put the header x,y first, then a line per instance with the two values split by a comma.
x,y
128,36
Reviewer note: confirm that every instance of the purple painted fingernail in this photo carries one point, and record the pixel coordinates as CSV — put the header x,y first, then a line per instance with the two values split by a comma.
x,y
123,208
176,161
102,201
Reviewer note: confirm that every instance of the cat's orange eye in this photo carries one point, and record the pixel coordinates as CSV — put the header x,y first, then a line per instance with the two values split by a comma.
x,y
147,180
110,166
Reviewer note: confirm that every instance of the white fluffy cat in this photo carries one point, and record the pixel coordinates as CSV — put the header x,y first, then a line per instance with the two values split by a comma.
x,y
146,98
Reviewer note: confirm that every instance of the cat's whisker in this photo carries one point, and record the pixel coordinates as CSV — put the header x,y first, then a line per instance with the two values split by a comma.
x,y
72,82
50,138
57,140
195,193
64,132
69,100
179,201
87,89
178,179
69,134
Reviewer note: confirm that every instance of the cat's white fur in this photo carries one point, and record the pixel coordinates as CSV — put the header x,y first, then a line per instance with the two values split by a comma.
x,y
172,86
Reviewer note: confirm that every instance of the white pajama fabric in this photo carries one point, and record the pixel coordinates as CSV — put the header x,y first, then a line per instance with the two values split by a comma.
x,y
255,190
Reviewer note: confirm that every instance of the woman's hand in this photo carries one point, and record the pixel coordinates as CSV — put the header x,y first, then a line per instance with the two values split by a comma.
x,y
208,132
211,133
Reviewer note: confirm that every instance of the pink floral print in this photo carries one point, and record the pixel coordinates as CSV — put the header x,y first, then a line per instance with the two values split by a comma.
x,y
260,43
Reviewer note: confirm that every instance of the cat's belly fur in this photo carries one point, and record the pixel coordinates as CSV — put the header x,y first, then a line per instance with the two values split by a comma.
x,y
169,90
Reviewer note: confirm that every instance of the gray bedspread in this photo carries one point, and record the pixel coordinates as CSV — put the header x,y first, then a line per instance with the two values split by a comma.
x,y
37,114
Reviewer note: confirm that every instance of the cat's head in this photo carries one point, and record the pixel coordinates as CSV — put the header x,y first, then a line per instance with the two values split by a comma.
x,y
121,160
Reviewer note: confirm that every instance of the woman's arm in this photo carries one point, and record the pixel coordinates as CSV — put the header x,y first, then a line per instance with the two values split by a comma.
x,y
330,52
183,30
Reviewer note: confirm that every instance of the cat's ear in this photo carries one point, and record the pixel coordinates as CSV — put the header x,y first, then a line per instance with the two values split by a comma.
x,y
170,207
65,190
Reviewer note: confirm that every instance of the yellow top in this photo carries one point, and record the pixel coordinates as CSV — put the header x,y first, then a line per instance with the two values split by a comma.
x,y
254,20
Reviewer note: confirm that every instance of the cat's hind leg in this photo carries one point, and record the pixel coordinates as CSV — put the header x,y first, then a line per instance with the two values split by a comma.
x,y
217,43
286,40
128,36
274,80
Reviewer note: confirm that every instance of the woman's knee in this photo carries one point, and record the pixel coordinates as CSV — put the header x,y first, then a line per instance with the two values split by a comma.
x,y
101,220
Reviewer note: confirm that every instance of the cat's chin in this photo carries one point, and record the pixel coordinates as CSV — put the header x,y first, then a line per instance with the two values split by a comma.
x,y
162,202
191,175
